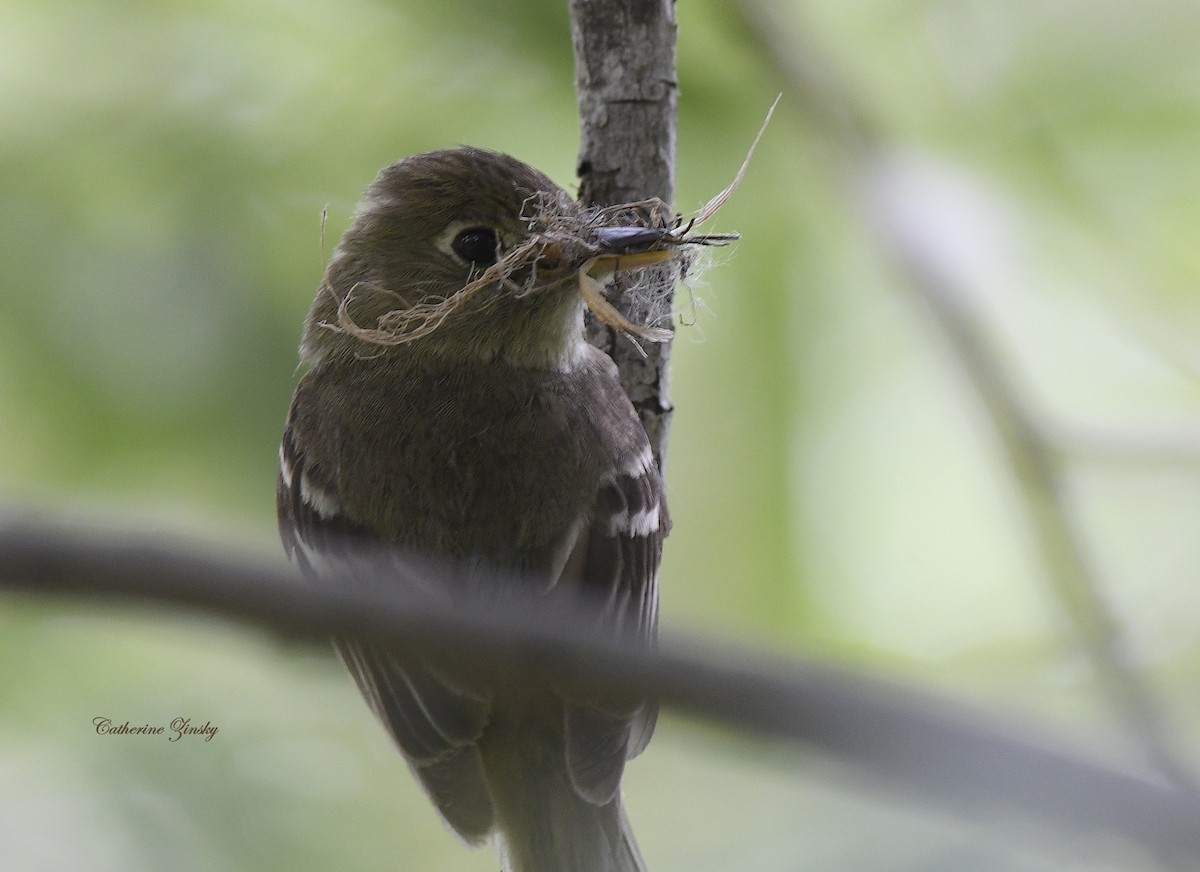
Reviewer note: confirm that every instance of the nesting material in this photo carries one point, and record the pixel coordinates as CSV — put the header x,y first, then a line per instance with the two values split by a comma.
x,y
584,246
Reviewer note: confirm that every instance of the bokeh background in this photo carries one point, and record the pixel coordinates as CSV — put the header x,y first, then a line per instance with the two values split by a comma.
x,y
838,490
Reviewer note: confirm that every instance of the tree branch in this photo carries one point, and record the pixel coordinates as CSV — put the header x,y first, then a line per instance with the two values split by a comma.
x,y
920,745
625,81
1026,444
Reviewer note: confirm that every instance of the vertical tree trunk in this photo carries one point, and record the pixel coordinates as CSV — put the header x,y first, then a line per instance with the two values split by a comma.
x,y
625,80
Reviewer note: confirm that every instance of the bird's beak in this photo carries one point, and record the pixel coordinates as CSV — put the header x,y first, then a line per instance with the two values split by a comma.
x,y
624,248
614,249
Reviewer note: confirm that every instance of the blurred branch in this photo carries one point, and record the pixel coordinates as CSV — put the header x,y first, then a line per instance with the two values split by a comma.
x,y
922,746
1036,471
1026,442
1144,447
627,92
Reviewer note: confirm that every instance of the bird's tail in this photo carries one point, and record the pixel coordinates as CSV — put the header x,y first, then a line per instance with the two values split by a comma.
x,y
549,827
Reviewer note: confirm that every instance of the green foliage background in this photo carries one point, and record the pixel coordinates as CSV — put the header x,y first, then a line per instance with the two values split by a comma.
x,y
836,490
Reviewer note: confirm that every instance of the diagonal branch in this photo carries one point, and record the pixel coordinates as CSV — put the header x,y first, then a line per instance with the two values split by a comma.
x,y
1026,445
920,745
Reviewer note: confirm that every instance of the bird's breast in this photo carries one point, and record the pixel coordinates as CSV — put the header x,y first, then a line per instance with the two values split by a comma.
x,y
481,461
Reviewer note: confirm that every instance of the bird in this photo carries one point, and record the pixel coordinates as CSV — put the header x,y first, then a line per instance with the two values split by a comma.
x,y
451,407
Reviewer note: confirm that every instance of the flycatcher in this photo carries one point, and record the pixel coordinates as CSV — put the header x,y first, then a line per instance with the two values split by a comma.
x,y
451,407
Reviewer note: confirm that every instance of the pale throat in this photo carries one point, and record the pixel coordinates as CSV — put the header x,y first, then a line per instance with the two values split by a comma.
x,y
548,338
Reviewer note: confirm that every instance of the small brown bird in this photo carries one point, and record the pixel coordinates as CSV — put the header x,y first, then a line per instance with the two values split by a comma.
x,y
452,407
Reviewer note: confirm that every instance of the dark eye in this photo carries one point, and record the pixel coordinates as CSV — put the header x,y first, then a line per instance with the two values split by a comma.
x,y
478,246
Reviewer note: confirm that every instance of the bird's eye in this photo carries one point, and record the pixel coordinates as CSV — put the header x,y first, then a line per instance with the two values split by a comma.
x,y
478,246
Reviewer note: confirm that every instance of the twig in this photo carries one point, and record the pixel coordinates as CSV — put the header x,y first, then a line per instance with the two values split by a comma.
x,y
1026,446
1037,474
1138,446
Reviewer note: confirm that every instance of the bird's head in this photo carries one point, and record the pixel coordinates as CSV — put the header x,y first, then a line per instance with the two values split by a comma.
x,y
471,254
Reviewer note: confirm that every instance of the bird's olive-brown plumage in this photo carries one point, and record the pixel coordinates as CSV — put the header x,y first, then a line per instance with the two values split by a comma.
x,y
497,438
399,252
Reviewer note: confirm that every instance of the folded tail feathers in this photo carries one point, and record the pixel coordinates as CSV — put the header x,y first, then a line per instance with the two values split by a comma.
x,y
543,821
574,836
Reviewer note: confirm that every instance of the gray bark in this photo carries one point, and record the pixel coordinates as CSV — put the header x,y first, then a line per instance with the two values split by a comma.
x,y
625,80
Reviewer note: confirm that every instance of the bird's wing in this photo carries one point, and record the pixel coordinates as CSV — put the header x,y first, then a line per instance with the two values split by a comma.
x,y
616,561
435,723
